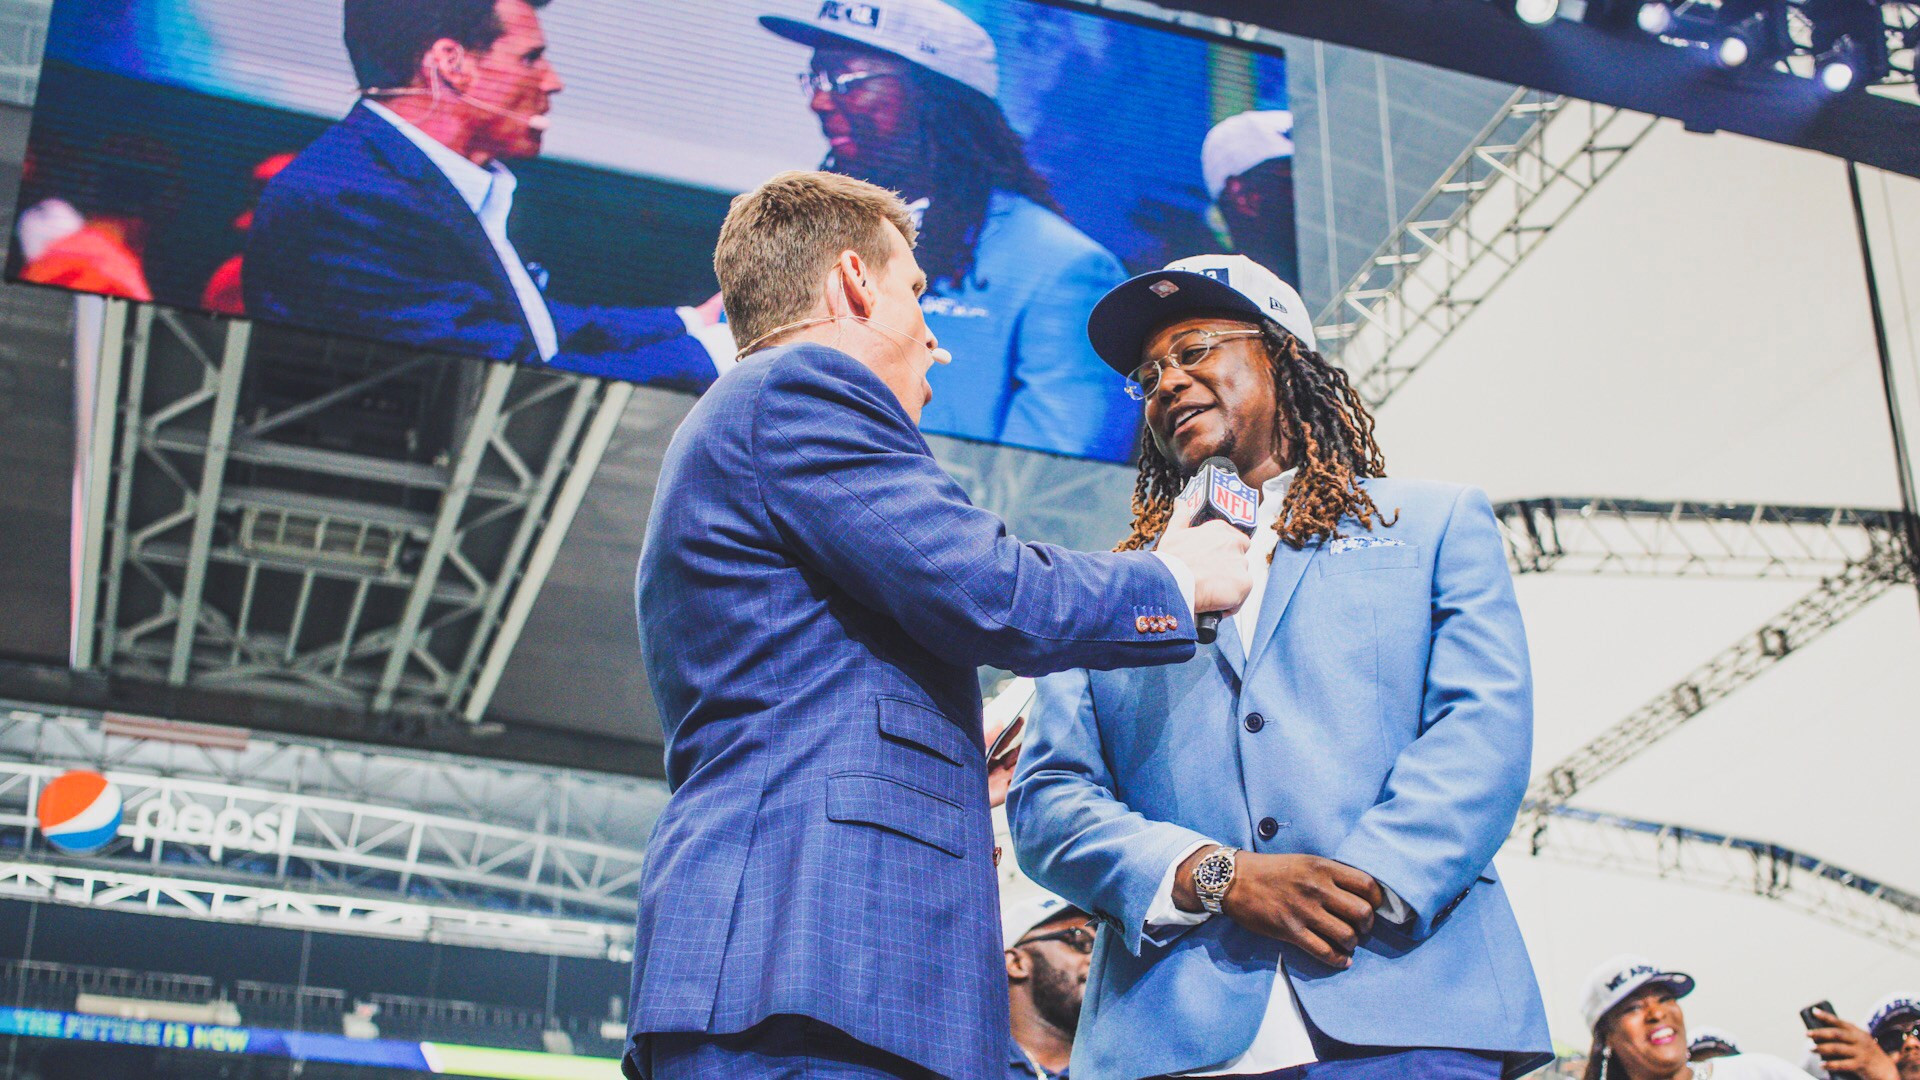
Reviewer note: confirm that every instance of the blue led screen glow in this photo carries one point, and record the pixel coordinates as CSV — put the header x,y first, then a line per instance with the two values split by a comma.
x,y
551,193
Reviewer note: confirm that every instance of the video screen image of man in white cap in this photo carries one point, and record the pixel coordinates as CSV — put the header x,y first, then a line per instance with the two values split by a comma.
x,y
904,91
1247,160
1049,944
1640,1032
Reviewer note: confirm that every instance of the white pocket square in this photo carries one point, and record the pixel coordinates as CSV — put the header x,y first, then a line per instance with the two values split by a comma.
x,y
1361,543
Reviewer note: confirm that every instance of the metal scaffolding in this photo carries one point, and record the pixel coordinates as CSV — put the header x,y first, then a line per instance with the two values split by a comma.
x,y
1738,664
332,836
1524,173
349,524
1804,882
1688,538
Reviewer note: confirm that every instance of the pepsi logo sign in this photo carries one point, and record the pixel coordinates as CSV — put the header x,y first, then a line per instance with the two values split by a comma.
x,y
79,812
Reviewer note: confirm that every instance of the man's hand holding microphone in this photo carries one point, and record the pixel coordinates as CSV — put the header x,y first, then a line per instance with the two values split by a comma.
x,y
1213,546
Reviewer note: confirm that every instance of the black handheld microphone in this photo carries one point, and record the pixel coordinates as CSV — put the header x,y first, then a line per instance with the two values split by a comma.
x,y
1223,496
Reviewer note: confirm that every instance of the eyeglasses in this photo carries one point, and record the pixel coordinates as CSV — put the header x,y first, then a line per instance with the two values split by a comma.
x,y
1146,377
1893,1039
1078,938
819,82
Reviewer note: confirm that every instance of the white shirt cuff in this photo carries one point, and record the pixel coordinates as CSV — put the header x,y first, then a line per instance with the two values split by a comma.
x,y
716,339
1392,908
1183,577
1164,914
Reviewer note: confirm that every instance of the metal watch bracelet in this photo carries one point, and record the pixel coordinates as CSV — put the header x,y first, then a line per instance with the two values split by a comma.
x,y
1213,876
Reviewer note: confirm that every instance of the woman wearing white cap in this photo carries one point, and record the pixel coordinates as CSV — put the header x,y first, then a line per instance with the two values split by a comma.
x,y
1640,1033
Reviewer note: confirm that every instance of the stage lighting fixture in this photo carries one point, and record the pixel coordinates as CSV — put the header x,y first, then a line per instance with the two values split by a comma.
x,y
1752,33
1733,50
1849,43
1536,12
1838,74
1655,17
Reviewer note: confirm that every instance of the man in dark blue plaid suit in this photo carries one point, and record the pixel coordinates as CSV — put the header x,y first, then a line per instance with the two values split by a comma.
x,y
815,594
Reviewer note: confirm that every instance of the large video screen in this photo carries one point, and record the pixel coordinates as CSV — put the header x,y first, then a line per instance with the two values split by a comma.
x,y
543,182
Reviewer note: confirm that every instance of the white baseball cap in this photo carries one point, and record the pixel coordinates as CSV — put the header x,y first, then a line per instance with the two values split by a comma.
x,y
1025,905
926,32
1231,284
1242,141
1890,1008
1620,978
1707,1037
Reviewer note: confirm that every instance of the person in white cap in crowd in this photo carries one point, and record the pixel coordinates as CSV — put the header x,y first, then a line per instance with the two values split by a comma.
x,y
1708,1043
1895,1027
1049,943
904,91
1640,1033
1888,1048
1247,160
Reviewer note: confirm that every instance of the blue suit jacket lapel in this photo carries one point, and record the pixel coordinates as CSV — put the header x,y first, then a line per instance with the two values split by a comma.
x,y
408,162
1283,577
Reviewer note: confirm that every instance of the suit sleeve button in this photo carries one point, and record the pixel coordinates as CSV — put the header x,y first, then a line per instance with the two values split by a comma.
x,y
1255,722
1268,827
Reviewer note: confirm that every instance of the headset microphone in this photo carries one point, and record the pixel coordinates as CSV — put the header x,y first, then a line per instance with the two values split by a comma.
x,y
1222,496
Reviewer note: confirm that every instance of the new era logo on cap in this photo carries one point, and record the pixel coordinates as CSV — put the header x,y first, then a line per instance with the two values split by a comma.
x,y
867,15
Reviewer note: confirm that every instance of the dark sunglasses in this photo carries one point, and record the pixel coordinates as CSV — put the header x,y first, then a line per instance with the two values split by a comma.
x,y
1892,1039
1077,938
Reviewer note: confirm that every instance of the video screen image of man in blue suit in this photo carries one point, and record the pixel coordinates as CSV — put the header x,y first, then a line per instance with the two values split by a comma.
x,y
1289,838
814,596
393,224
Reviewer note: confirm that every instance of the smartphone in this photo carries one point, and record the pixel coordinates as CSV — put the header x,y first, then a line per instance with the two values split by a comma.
x,y
1811,1021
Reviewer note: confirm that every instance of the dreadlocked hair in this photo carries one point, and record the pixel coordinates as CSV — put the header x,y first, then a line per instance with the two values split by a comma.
x,y
971,152
1328,432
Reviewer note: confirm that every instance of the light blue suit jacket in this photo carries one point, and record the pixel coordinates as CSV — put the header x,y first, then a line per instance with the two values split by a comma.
x,y
1396,728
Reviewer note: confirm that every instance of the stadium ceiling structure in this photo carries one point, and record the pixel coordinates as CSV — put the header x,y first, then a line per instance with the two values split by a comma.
x,y
348,524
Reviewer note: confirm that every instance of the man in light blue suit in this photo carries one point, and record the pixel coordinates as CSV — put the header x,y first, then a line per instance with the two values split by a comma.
x,y
815,594
1289,838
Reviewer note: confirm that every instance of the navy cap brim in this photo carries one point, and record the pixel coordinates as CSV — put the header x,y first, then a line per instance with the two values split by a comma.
x,y
1132,310
813,37
1905,1011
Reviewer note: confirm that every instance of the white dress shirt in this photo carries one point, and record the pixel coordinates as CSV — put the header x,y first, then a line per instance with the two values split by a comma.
x,y
488,192
1281,1042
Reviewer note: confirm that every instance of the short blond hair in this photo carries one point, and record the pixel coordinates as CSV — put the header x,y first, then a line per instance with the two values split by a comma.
x,y
781,238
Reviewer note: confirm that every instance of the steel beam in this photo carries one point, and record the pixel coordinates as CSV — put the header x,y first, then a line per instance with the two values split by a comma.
x,y
206,498
606,420
97,468
1738,664
1806,883
1690,538
453,504
1506,192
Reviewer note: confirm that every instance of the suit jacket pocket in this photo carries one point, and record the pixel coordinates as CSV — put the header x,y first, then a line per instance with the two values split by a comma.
x,y
925,729
1374,558
889,804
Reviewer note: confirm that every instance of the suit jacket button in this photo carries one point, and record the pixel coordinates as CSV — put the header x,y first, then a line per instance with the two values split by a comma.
x,y
1268,827
1255,722
1140,624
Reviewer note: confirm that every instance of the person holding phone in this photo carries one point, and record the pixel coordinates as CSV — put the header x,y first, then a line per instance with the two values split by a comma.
x,y
1640,1031
1888,1048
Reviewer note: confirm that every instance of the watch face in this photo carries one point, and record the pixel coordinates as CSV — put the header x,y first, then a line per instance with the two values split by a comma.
x,y
1213,872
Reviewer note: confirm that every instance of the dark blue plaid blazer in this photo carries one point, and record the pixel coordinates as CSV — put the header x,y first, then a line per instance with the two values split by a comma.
x,y
814,596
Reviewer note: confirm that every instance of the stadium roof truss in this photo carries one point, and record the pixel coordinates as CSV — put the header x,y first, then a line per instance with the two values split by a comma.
x,y
1533,163
1855,555
349,524
329,836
